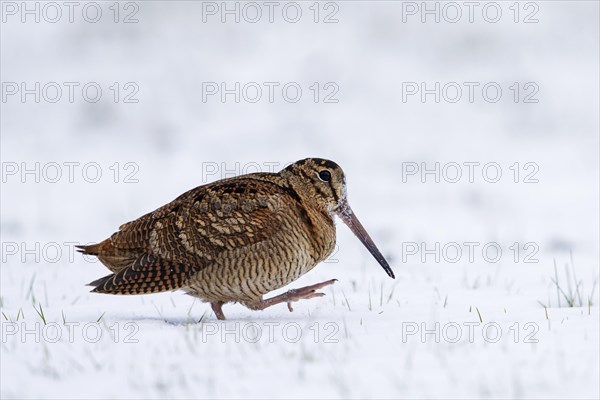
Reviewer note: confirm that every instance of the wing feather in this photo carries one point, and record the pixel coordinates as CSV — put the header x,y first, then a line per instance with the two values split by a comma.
x,y
159,250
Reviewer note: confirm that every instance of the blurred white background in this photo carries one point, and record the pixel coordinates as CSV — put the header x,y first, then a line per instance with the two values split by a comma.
x,y
176,135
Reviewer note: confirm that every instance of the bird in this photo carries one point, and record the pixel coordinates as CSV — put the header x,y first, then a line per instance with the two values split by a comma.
x,y
236,239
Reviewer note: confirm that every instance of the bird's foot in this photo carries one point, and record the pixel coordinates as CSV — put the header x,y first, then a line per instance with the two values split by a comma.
x,y
217,308
307,292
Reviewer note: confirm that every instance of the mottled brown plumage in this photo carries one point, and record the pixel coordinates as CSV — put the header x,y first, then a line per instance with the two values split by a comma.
x,y
236,239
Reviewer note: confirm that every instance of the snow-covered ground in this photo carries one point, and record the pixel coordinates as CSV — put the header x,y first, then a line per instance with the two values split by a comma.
x,y
470,323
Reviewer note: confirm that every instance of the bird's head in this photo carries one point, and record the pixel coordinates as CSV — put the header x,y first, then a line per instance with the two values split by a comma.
x,y
323,182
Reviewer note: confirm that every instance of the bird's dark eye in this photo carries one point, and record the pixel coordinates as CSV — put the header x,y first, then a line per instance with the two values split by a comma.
x,y
325,175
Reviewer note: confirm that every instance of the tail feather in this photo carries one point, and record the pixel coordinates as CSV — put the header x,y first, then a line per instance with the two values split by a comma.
x,y
148,274
113,257
91,249
100,282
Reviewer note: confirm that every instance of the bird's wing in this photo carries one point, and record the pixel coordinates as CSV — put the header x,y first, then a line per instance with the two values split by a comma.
x,y
158,251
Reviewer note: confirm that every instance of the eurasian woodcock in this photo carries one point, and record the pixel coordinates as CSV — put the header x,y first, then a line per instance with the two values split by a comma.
x,y
236,239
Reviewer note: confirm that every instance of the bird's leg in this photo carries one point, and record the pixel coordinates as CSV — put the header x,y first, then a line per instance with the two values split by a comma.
x,y
217,308
307,292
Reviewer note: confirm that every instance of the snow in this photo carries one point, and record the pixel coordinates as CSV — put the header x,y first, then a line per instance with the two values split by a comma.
x,y
464,328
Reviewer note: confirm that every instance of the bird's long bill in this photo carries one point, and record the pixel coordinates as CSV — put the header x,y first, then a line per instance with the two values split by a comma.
x,y
347,215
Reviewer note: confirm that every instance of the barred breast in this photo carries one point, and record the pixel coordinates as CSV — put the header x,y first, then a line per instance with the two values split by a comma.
x,y
306,237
